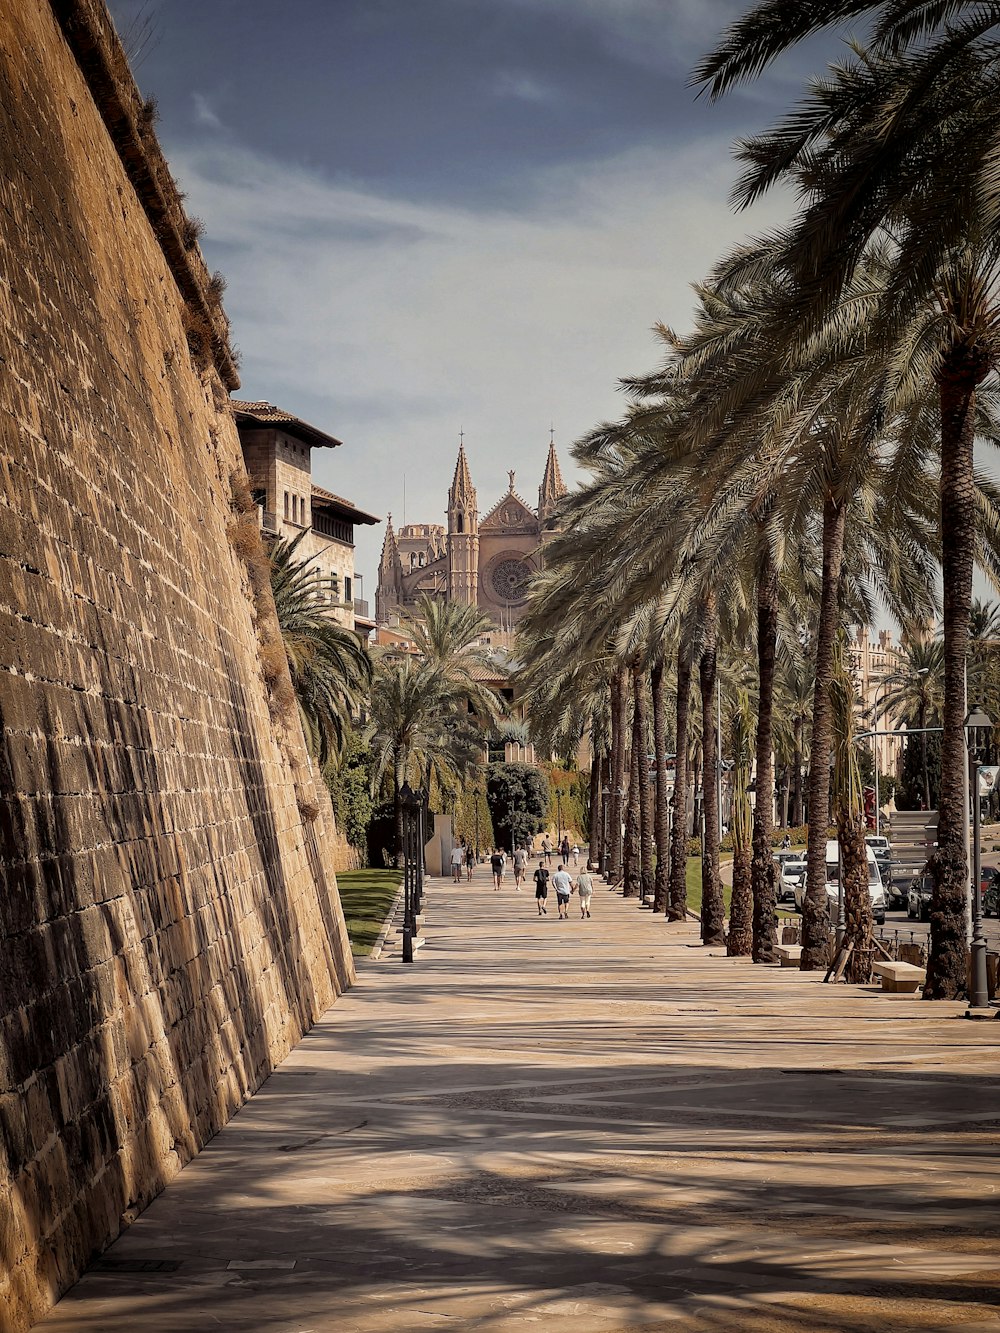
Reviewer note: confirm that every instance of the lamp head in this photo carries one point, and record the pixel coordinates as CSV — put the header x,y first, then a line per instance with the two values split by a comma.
x,y
978,719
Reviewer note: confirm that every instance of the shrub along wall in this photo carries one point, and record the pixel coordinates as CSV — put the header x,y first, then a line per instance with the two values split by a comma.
x,y
169,920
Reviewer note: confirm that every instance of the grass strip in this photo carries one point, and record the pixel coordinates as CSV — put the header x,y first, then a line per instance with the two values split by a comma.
x,y
366,896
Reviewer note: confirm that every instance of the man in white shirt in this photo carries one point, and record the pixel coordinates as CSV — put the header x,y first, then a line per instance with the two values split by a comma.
x,y
520,861
563,885
457,861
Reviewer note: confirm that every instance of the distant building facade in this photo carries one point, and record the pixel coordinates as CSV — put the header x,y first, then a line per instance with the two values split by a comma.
x,y
871,660
277,450
486,562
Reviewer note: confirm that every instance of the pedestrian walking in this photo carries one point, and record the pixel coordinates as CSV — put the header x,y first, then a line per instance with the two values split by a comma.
x,y
563,885
457,861
564,851
547,850
496,864
576,856
541,887
585,888
470,862
520,863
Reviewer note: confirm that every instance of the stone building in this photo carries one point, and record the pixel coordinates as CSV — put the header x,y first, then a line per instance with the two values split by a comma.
x,y
277,448
871,661
487,562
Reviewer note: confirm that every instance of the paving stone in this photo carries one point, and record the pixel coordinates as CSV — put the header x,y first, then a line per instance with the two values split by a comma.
x,y
588,1125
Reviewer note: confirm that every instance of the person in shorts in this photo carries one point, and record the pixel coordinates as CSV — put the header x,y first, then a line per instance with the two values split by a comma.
x,y
496,865
563,885
457,861
585,888
470,861
520,864
541,887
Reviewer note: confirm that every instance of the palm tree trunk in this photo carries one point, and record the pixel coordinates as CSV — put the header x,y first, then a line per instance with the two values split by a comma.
x,y
858,920
815,917
398,776
713,911
633,819
762,868
947,959
594,822
677,910
661,822
739,941
605,806
619,744
640,687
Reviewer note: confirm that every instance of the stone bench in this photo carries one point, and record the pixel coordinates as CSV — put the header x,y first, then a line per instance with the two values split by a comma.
x,y
648,900
899,978
789,954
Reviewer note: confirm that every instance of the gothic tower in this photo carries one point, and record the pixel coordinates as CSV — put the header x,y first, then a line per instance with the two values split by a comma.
x,y
552,488
390,576
463,534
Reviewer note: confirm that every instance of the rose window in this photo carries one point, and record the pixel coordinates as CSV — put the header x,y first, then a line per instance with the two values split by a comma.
x,y
510,579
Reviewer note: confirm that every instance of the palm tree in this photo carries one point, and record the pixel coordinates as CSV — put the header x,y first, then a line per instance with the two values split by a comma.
x,y
742,728
419,729
330,670
917,694
902,139
848,813
712,907
448,634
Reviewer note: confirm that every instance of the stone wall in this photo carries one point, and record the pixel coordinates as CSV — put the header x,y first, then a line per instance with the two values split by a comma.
x,y
169,919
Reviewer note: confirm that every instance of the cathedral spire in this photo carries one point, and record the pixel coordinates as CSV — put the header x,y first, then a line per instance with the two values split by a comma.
x,y
552,488
462,494
390,551
463,533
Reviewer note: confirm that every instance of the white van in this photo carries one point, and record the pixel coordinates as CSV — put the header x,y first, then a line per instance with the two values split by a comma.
x,y
875,887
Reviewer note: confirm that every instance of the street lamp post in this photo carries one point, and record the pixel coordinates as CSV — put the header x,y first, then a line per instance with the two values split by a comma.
x,y
605,798
559,817
412,854
976,723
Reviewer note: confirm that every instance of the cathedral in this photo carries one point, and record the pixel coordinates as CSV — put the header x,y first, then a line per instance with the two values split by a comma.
x,y
487,562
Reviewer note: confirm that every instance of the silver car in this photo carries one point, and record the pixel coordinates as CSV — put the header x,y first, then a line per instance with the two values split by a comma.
x,y
793,872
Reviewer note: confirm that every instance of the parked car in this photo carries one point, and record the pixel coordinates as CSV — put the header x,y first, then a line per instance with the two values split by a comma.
x,y
793,872
876,890
918,898
883,855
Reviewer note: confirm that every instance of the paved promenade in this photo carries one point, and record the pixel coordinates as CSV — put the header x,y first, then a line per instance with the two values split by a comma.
x,y
579,1126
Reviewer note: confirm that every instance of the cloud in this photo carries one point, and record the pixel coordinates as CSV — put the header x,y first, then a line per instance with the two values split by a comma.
x,y
204,114
392,323
522,87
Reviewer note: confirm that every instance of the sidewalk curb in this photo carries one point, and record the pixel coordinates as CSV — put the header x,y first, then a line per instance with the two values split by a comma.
x,y
379,944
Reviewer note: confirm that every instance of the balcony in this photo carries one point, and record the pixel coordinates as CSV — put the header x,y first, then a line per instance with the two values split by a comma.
x,y
361,607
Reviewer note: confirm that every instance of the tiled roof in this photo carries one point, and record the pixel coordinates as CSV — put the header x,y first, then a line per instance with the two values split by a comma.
x,y
346,507
263,413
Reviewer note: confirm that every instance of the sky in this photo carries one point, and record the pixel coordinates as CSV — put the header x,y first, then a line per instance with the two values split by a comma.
x,y
438,216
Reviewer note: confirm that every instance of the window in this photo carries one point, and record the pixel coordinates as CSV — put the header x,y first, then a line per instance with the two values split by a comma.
x,y
413,559
347,590
260,496
335,587
286,506
461,522
421,559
